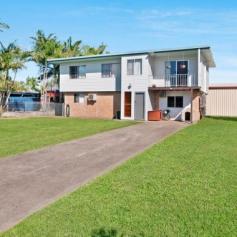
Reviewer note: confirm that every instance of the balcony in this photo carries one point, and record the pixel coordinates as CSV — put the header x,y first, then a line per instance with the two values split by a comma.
x,y
173,80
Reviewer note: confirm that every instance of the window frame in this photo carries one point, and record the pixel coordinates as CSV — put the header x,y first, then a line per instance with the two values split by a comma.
x,y
103,74
175,101
77,96
169,97
176,66
133,60
73,75
112,70
77,75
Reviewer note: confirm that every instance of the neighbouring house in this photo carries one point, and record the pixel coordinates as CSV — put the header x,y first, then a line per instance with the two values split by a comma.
x,y
130,85
222,100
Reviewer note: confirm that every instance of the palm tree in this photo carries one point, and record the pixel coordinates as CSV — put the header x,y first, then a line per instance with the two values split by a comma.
x,y
3,26
48,46
32,84
88,50
12,58
71,49
44,48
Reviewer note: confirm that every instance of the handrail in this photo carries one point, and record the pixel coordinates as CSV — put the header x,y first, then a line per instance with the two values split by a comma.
x,y
174,80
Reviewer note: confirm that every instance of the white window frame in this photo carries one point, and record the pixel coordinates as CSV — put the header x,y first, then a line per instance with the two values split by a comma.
x,y
112,70
133,60
176,61
80,98
78,75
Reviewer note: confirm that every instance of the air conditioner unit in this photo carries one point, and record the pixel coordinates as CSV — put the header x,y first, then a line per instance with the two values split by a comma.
x,y
162,93
91,97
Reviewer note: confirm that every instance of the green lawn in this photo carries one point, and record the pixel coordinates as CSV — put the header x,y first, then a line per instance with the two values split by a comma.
x,y
19,135
185,186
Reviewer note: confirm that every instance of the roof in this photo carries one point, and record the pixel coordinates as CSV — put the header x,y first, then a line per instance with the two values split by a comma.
x,y
207,49
223,86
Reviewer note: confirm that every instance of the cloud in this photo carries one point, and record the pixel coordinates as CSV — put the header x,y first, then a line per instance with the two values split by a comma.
x,y
98,10
191,21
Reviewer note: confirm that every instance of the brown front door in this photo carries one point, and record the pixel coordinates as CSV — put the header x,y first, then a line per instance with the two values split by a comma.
x,y
127,104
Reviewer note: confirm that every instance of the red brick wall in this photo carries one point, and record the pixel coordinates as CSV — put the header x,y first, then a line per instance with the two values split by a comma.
x,y
105,106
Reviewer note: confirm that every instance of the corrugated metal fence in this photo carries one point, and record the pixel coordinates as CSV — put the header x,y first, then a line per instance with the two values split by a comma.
x,y
222,102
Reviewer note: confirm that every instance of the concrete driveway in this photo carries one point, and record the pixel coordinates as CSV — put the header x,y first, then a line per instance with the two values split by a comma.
x,y
34,179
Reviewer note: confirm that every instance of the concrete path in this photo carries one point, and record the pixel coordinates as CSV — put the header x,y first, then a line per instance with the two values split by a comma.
x,y
34,179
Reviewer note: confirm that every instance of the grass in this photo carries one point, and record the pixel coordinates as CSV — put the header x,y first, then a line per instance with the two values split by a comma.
x,y
20,135
185,186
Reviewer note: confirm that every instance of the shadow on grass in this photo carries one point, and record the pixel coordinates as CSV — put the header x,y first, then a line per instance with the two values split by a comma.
x,y
222,118
103,232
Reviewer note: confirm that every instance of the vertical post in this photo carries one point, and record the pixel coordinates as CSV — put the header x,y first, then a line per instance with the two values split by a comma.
x,y
191,114
198,66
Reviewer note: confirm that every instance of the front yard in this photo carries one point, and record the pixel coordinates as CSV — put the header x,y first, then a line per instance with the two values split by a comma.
x,y
185,186
19,135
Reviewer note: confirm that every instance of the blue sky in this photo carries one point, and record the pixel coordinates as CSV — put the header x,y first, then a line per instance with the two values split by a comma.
x,y
130,25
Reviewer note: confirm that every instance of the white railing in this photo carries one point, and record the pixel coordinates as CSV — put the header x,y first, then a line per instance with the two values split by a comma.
x,y
173,80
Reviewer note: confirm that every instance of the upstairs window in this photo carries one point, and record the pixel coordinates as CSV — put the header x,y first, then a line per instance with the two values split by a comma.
x,y
73,72
76,72
108,69
175,101
176,67
134,66
82,71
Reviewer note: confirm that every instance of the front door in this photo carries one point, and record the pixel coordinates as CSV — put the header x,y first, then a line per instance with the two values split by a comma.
x,y
139,106
127,103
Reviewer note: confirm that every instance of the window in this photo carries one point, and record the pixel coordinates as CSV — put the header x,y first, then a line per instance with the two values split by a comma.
x,y
170,101
76,72
79,98
76,97
179,101
82,71
134,66
109,69
106,70
73,72
175,101
176,67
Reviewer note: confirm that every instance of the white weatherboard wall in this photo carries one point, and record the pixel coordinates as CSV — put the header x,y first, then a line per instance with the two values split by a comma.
x,y
222,102
93,81
177,113
203,75
135,83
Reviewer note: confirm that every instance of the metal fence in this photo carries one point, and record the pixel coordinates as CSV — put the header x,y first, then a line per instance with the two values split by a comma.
x,y
56,109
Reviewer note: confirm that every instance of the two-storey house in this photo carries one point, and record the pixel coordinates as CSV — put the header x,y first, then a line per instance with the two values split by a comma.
x,y
131,84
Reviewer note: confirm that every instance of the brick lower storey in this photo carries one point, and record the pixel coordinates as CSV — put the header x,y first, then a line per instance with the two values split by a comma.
x,y
105,106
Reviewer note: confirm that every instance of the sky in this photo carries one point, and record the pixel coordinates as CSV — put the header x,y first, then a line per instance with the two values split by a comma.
x,y
129,26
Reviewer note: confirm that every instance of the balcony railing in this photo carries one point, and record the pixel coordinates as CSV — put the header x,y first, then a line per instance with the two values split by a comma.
x,y
173,80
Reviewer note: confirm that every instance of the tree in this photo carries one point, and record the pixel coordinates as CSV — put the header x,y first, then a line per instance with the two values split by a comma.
x,y
88,50
12,58
3,26
32,84
71,49
44,48
48,46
